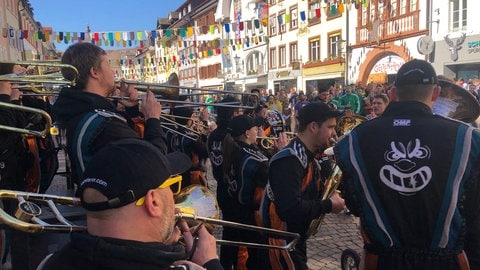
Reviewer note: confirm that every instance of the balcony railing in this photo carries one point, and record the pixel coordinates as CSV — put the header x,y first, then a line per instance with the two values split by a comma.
x,y
390,28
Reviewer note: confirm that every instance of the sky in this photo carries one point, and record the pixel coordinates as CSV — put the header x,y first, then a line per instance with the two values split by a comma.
x,y
101,15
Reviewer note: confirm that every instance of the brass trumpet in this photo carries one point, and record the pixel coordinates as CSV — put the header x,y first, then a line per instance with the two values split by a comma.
x,y
196,204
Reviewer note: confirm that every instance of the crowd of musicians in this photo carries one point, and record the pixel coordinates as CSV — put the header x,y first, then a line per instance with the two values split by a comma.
x,y
423,178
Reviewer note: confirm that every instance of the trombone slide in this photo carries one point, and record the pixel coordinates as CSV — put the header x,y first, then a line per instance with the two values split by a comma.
x,y
193,199
270,232
48,120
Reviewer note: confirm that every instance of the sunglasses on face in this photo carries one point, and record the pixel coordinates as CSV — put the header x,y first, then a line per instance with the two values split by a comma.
x,y
175,184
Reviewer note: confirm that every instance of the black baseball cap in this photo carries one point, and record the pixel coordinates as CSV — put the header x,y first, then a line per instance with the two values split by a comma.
x,y
125,170
416,71
242,123
316,111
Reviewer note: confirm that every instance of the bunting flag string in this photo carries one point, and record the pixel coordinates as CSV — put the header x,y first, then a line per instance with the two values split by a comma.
x,y
199,42
200,33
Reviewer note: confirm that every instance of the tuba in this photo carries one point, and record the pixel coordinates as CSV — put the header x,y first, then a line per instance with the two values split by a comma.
x,y
455,102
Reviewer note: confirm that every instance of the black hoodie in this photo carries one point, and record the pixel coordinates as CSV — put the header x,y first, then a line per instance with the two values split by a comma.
x,y
90,252
73,104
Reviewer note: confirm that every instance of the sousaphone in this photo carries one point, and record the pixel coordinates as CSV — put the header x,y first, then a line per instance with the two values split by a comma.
x,y
456,102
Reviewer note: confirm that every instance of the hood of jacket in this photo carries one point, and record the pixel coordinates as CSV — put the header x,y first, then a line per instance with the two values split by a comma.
x,y
72,102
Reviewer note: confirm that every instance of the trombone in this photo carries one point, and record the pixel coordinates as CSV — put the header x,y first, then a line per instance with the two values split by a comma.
x,y
50,78
172,87
196,204
48,121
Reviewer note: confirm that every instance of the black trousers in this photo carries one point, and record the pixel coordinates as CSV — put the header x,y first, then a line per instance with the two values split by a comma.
x,y
18,242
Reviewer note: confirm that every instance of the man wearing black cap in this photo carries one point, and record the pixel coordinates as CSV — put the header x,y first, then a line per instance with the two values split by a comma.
x,y
127,190
292,199
412,177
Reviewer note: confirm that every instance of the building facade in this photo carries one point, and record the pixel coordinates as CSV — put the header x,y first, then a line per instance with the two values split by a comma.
x,y
455,39
19,33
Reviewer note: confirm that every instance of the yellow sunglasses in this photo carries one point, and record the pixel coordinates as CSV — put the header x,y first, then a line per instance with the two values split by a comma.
x,y
175,184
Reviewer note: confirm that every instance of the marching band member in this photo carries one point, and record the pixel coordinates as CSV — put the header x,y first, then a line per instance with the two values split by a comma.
x,y
228,254
127,191
195,149
417,191
15,161
90,118
292,197
245,169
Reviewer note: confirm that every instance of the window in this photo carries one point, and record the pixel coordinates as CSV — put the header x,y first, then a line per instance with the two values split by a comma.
x,y
282,56
373,9
273,26
364,15
281,22
255,63
403,7
293,52
381,10
458,14
273,58
393,8
293,18
413,5
314,49
313,9
334,45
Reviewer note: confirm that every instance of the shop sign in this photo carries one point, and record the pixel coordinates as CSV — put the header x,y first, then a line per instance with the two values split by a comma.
x,y
388,65
473,46
285,73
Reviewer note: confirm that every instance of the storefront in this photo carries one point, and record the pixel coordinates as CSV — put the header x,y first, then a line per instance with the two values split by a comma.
x,y
284,79
322,76
250,82
459,61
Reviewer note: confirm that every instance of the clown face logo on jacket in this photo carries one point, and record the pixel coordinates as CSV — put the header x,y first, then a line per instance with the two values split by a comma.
x,y
402,173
